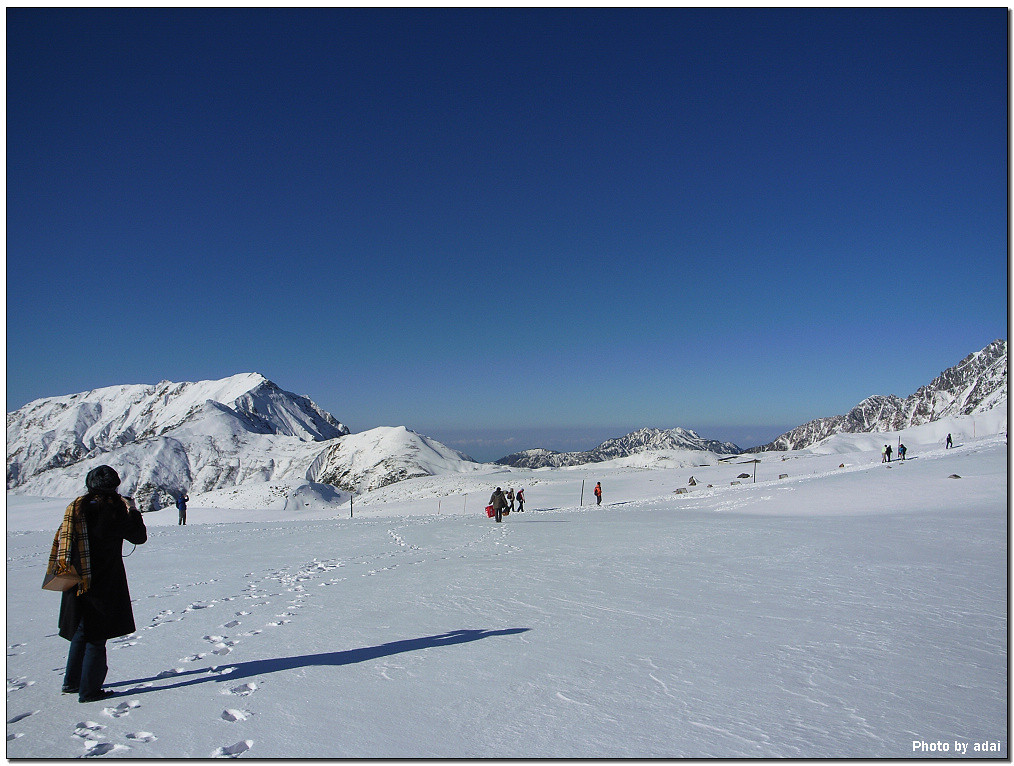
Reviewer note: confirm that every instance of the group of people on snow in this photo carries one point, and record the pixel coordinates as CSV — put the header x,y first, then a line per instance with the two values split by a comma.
x,y
503,503
887,452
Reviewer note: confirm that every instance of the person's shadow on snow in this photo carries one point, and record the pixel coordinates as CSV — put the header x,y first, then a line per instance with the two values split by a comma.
x,y
228,672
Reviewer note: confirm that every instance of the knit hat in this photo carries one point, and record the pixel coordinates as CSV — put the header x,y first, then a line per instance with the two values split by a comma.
x,y
102,479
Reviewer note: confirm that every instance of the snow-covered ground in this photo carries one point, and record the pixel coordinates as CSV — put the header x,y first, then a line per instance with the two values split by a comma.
x,y
855,611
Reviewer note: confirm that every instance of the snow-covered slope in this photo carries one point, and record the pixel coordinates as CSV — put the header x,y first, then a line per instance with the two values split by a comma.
x,y
383,456
978,383
644,440
167,438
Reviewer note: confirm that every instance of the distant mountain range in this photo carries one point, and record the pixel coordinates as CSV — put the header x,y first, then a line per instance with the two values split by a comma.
x,y
976,384
644,440
200,437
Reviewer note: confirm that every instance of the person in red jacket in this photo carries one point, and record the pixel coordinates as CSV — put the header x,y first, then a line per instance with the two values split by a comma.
x,y
598,493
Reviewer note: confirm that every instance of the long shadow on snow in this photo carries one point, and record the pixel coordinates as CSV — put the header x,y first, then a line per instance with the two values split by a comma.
x,y
239,670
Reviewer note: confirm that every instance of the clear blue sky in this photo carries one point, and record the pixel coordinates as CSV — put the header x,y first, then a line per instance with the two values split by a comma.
x,y
507,224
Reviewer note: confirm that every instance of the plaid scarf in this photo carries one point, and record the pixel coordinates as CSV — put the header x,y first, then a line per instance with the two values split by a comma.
x,y
72,532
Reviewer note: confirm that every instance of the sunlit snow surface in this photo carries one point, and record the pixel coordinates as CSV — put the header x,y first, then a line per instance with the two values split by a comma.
x,y
840,611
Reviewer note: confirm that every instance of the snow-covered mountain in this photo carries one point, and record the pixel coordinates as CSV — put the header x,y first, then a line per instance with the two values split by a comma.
x,y
208,436
643,440
976,384
382,456
166,438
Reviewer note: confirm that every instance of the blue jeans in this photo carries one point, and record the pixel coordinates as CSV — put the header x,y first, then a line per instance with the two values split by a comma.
x,y
86,665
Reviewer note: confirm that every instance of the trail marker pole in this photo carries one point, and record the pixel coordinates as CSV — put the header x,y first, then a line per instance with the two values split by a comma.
x,y
582,493
350,506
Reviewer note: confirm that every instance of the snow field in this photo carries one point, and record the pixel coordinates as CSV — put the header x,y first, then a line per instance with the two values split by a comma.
x,y
835,613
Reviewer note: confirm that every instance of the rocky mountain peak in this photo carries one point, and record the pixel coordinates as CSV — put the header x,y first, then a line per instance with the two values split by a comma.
x,y
975,384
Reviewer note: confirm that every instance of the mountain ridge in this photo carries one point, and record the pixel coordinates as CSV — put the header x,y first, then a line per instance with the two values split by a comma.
x,y
641,440
166,438
204,436
975,384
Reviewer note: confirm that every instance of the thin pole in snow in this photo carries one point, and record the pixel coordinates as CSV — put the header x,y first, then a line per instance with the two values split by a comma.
x,y
582,493
465,505
350,506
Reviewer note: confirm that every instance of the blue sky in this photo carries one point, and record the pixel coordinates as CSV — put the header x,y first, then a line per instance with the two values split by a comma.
x,y
499,226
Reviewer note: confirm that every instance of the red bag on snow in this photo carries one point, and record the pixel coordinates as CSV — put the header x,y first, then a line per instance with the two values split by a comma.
x,y
489,511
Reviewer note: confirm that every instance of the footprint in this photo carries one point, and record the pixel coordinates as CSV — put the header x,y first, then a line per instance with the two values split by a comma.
x,y
16,684
88,730
230,714
232,624
170,672
93,748
242,690
195,657
233,751
122,709
277,623
21,717
222,650
141,736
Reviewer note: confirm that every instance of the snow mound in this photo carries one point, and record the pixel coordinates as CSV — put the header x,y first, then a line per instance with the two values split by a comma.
x,y
314,497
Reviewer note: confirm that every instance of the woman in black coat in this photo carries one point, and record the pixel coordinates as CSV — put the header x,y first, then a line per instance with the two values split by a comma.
x,y
103,611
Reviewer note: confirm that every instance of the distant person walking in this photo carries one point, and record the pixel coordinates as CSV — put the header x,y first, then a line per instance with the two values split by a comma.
x,y
91,540
499,502
902,449
883,454
521,500
949,442
510,499
598,493
889,451
181,506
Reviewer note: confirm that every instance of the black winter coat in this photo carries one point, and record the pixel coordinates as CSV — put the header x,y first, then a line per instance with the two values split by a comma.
x,y
105,606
